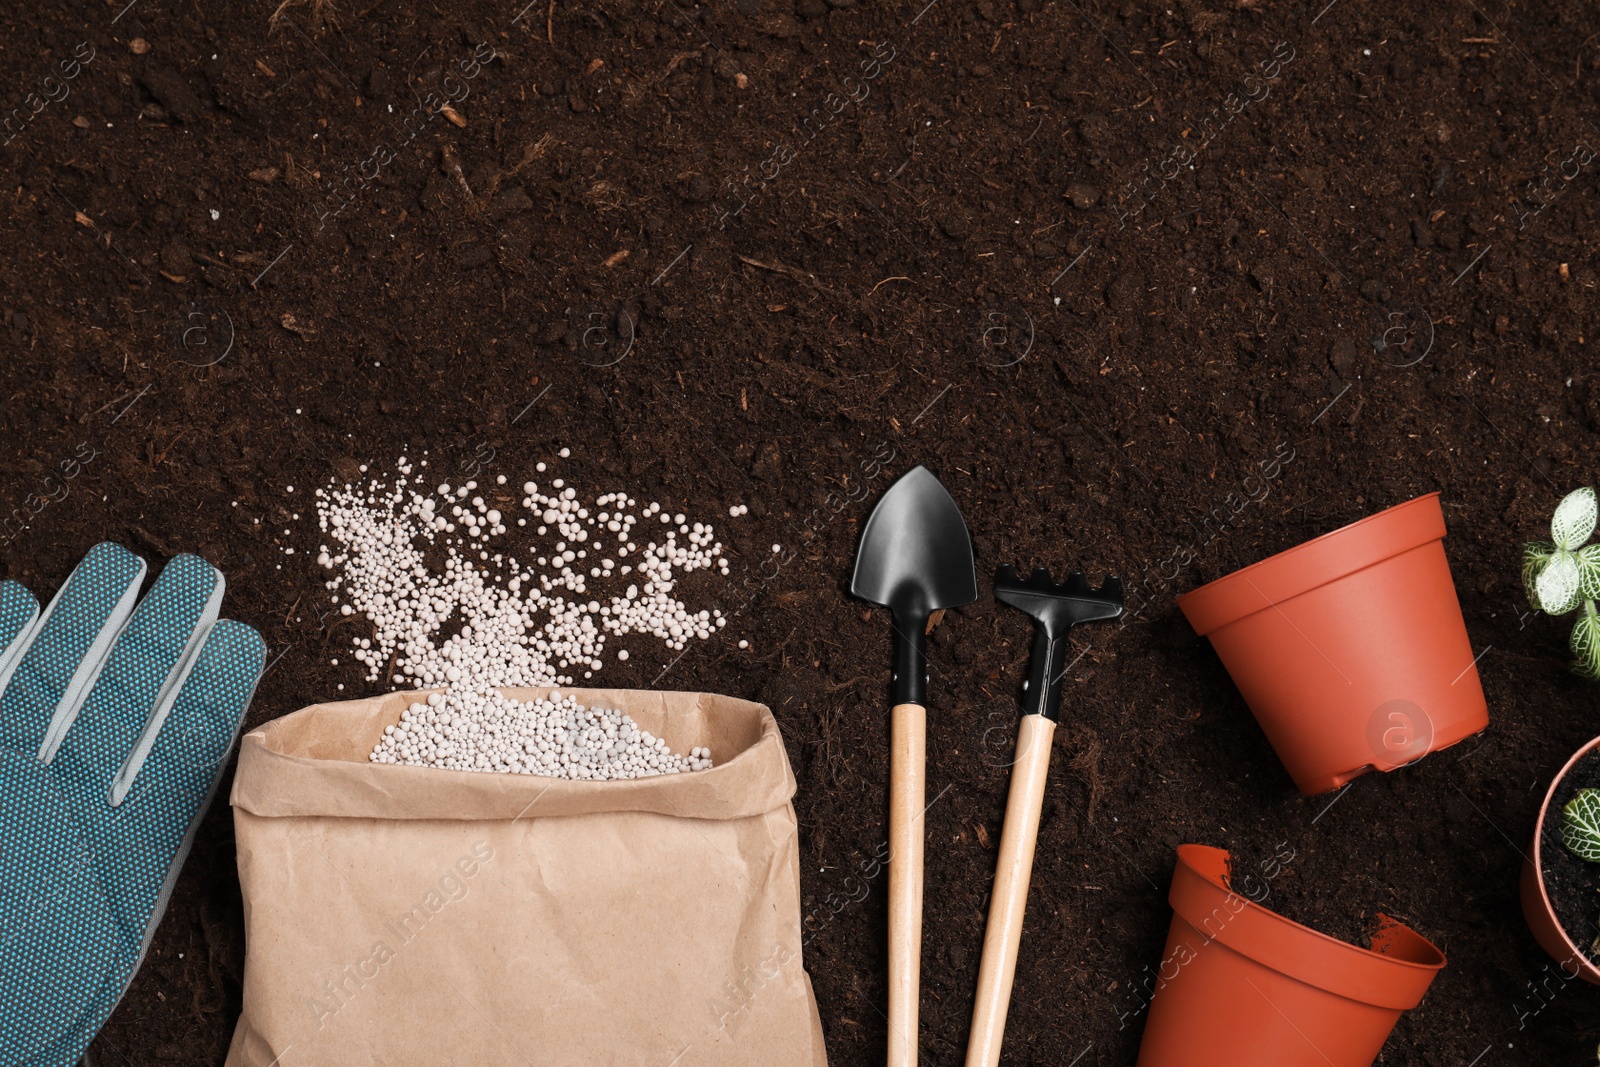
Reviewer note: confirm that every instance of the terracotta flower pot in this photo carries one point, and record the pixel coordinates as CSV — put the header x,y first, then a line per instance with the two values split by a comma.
x,y
1536,906
1350,649
1243,987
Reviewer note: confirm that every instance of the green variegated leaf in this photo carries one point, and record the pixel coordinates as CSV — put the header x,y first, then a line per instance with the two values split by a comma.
x,y
1580,825
1574,519
1559,589
1589,571
1585,642
1535,554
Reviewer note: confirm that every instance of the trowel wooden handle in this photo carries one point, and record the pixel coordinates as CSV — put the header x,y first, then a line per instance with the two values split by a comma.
x,y
1010,900
908,742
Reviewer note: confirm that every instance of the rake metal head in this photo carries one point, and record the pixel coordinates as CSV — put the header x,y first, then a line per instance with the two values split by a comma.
x,y
1057,607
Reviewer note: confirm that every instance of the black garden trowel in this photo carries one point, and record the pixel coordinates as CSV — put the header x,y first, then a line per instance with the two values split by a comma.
x,y
1056,609
915,559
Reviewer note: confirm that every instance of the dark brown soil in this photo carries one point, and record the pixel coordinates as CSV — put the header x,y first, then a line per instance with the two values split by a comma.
x,y
1573,885
971,238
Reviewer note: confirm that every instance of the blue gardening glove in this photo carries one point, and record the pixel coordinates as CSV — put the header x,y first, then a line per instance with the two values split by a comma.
x,y
115,725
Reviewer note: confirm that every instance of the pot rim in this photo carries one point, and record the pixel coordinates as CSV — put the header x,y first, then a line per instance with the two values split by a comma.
x,y
1536,861
1369,976
1314,563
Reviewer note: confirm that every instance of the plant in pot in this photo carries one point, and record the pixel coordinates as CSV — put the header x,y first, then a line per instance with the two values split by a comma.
x,y
1562,575
1559,886
1560,879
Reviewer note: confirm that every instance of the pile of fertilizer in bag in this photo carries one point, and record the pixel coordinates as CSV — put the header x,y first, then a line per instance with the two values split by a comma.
x,y
554,736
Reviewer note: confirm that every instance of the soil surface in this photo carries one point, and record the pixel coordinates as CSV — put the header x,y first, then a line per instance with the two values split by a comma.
x,y
1573,885
1156,289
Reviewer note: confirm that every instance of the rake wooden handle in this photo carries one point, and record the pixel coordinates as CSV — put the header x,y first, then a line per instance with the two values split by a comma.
x,y
1013,870
908,742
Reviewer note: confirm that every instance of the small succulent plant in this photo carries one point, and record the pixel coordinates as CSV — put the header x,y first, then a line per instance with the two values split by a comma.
x,y
1563,575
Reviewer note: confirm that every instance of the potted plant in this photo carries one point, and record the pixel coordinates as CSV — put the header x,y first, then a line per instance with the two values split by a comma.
x,y
1242,986
1560,877
1350,649
1563,575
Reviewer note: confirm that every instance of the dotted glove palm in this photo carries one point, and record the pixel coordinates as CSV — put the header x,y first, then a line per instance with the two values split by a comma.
x,y
115,724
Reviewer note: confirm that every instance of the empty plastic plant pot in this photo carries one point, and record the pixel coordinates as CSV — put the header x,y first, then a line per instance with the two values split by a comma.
x,y
1547,927
1350,649
1241,986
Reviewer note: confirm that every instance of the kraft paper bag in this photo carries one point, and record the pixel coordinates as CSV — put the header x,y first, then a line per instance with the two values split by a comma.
x,y
402,915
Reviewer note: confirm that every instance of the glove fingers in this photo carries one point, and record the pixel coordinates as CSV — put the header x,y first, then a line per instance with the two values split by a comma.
x,y
89,865
18,612
185,758
141,679
63,652
59,937
161,795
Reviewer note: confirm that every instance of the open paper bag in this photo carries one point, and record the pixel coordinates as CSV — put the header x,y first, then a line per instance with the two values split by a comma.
x,y
409,915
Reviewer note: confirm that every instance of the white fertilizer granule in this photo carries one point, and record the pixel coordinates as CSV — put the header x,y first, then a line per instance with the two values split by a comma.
x,y
555,736
451,607
528,615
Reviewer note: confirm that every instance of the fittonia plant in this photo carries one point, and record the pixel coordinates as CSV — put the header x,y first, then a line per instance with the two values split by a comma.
x,y
1580,825
1580,830
1565,576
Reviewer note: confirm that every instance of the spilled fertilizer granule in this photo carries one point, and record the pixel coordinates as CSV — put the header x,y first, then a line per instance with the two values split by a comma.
x,y
463,596
485,613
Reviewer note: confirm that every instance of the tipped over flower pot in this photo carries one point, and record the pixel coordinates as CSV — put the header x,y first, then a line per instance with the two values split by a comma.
x,y
1554,935
1244,987
1350,649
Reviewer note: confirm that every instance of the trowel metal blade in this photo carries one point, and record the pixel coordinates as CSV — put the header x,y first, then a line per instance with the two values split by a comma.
x,y
916,554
